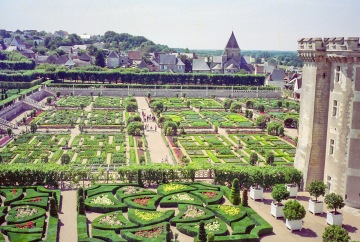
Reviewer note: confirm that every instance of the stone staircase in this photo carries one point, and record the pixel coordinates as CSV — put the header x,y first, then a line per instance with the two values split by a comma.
x,y
34,103
4,124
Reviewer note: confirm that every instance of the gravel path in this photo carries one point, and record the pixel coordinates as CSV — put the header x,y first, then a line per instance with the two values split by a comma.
x,y
67,216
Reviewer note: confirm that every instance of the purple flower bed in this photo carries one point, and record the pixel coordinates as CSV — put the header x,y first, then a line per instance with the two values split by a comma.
x,y
178,153
140,152
4,140
171,141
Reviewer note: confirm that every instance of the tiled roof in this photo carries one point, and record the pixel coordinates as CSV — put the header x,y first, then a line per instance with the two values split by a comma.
x,y
165,59
135,54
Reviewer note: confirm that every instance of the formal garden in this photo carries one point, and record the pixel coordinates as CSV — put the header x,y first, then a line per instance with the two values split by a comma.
x,y
29,213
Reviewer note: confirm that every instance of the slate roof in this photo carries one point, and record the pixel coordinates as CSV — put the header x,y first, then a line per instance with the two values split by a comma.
x,y
85,57
232,43
165,59
231,67
142,65
67,49
113,54
52,59
200,65
62,60
135,54
70,62
217,67
268,69
41,58
80,47
217,59
277,75
17,42
179,62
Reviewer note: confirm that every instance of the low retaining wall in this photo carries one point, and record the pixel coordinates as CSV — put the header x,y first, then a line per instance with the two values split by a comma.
x,y
169,92
11,112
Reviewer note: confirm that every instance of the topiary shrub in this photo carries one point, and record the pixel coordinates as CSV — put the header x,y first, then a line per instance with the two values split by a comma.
x,y
269,158
235,192
53,207
253,158
244,200
293,210
211,237
81,205
202,232
80,192
279,193
335,233
316,189
334,201
65,159
172,125
133,126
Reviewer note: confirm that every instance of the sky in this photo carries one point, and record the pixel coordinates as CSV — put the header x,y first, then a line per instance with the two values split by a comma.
x,y
193,24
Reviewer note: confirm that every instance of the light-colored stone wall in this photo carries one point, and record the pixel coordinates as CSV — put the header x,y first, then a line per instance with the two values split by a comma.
x,y
331,79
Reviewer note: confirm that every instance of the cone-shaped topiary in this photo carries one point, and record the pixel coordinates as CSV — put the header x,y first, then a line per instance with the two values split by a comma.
x,y
81,205
139,177
244,201
56,201
202,232
211,237
80,192
53,207
168,236
235,192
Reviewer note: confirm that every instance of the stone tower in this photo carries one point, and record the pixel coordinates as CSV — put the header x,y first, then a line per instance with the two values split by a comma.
x,y
232,49
329,132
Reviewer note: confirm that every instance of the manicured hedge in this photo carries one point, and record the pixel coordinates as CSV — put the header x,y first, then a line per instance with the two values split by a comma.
x,y
225,216
52,230
104,208
262,226
136,219
12,220
82,230
42,202
17,237
192,229
183,207
101,189
244,226
208,201
106,235
126,223
11,196
12,228
167,203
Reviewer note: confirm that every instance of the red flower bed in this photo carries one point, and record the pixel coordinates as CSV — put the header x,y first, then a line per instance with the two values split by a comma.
x,y
288,140
178,153
4,140
37,199
142,201
171,141
140,152
150,233
209,194
13,191
28,225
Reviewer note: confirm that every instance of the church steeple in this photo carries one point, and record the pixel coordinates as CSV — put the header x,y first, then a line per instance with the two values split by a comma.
x,y
232,43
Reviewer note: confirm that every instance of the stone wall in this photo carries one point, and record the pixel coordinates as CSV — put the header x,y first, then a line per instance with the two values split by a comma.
x,y
11,112
169,92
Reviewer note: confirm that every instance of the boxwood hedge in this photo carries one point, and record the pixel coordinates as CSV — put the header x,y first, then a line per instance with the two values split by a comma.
x,y
126,224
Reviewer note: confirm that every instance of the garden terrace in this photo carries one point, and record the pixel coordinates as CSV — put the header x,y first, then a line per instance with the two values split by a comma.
x,y
226,119
102,102
24,212
72,101
271,103
188,119
104,118
30,148
284,153
135,222
204,103
172,102
60,118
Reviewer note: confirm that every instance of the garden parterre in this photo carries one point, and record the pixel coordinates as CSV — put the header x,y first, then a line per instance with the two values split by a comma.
x,y
108,102
187,118
226,119
74,101
127,223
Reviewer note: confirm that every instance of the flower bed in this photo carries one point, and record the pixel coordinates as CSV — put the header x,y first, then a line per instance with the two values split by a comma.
x,y
228,213
23,214
4,140
130,191
208,196
216,226
144,218
171,188
179,198
152,233
104,203
112,221
146,202
191,213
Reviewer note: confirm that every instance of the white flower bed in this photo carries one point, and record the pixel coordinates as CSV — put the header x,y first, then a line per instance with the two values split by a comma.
x,y
131,190
111,220
102,200
212,226
193,212
182,197
23,212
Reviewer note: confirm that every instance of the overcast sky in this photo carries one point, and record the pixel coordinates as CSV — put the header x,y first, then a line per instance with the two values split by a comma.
x,y
196,24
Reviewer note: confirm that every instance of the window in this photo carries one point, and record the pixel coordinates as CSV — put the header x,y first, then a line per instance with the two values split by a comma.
x,y
335,106
337,73
332,145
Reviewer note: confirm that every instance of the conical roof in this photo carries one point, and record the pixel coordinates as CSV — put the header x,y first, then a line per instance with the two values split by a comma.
x,y
232,43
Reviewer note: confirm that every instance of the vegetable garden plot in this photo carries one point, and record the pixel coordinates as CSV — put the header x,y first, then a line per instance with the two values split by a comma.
x,y
74,101
284,153
271,103
104,118
61,118
211,148
204,103
172,103
35,148
188,119
226,119
108,102
134,221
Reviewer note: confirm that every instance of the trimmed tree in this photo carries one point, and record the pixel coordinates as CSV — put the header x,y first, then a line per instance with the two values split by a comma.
x,y
80,192
279,193
211,237
335,233
334,201
244,200
270,158
235,192
253,158
317,189
53,207
293,210
65,159
202,232
81,205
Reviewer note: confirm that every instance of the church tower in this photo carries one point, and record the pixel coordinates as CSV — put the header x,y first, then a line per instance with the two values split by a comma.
x,y
232,49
